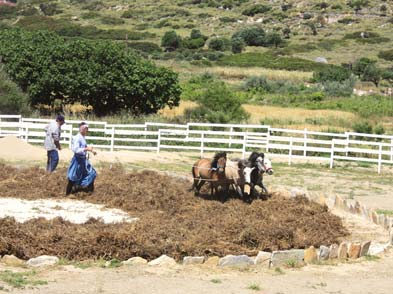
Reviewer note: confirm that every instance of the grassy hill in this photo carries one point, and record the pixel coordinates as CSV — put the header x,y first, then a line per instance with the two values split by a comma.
x,y
339,31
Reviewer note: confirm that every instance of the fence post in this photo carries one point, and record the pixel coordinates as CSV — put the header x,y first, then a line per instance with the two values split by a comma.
x,y
70,141
202,143
290,151
379,158
112,138
27,134
332,154
230,136
188,130
346,145
391,150
244,145
267,139
158,141
305,143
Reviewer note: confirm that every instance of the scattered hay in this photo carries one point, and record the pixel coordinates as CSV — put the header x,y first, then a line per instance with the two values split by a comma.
x,y
172,220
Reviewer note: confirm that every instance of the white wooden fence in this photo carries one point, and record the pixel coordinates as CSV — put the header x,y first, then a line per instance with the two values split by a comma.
x,y
204,137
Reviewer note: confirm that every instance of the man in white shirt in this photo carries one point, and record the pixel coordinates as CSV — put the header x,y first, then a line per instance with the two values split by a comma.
x,y
52,142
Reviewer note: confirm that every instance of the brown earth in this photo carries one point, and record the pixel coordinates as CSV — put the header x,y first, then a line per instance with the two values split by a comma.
x,y
172,220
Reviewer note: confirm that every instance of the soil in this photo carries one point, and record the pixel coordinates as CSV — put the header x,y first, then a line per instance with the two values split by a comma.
x,y
172,220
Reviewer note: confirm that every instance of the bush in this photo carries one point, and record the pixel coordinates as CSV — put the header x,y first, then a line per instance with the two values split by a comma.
x,y
363,127
337,74
339,88
237,45
171,41
218,44
255,9
227,19
8,11
252,36
128,14
218,104
50,9
146,47
12,99
379,130
90,15
259,84
193,43
387,54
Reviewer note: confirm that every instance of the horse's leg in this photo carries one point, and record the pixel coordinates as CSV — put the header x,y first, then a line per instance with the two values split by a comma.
x,y
199,186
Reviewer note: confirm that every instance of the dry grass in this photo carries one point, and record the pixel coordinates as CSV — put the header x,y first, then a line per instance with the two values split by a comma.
x,y
177,111
233,73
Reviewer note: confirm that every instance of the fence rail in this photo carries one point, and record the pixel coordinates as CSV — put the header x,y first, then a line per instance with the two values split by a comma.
x,y
204,137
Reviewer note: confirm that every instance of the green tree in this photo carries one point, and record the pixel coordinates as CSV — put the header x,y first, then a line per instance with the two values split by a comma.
x,y
286,31
217,44
273,39
12,99
372,74
252,36
101,74
237,45
171,40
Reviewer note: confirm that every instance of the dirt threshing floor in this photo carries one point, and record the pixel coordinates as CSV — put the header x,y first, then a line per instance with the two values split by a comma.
x,y
172,220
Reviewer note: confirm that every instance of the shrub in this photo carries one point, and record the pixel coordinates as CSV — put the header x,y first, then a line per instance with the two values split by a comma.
x,y
337,74
90,15
8,11
387,54
217,44
307,15
339,88
146,47
273,39
252,36
257,84
193,43
379,130
363,127
50,9
128,14
218,104
171,40
255,9
12,99
237,45
227,19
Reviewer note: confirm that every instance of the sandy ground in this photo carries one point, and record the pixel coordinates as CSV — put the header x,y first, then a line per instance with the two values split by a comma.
x,y
360,277
75,211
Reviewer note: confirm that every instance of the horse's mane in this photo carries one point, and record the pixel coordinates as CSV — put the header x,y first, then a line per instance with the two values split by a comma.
x,y
217,156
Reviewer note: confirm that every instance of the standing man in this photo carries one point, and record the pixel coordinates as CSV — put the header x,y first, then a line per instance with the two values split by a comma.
x,y
52,142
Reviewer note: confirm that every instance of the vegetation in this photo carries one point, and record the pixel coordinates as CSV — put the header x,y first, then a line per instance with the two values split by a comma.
x,y
20,279
100,74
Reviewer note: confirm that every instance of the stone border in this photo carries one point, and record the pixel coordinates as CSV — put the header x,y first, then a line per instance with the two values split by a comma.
x,y
290,258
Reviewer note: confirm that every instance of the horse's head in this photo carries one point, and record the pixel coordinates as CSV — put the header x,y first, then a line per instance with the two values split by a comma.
x,y
264,165
246,169
219,162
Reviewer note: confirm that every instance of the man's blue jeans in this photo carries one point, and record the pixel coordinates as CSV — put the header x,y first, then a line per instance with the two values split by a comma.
x,y
53,160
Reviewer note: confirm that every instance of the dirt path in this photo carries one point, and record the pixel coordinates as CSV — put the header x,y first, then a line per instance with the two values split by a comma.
x,y
363,277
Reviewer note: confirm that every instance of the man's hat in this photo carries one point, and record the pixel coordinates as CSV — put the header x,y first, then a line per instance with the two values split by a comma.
x,y
60,118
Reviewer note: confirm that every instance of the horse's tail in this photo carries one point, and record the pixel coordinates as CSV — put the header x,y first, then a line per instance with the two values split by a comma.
x,y
194,175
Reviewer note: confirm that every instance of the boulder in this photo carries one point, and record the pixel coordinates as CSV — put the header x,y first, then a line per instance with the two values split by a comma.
x,y
235,260
343,250
193,260
12,260
134,261
321,60
43,260
163,260
364,248
324,253
354,250
333,251
263,258
286,257
310,255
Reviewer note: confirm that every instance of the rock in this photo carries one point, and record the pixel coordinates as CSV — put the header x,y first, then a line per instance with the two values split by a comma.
x,y
343,250
374,217
364,248
43,260
134,261
377,248
322,199
287,257
321,60
12,260
354,250
263,258
193,260
391,236
339,202
297,192
381,220
213,260
310,255
331,201
324,253
235,260
365,212
163,260
333,251
74,18
358,208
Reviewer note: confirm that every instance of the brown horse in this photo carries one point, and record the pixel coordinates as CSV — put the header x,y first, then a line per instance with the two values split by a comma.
x,y
209,170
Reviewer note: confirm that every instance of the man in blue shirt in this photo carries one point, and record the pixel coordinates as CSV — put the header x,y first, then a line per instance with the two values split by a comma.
x,y
52,142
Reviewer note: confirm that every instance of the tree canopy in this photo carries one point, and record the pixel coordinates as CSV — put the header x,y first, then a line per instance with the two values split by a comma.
x,y
102,74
